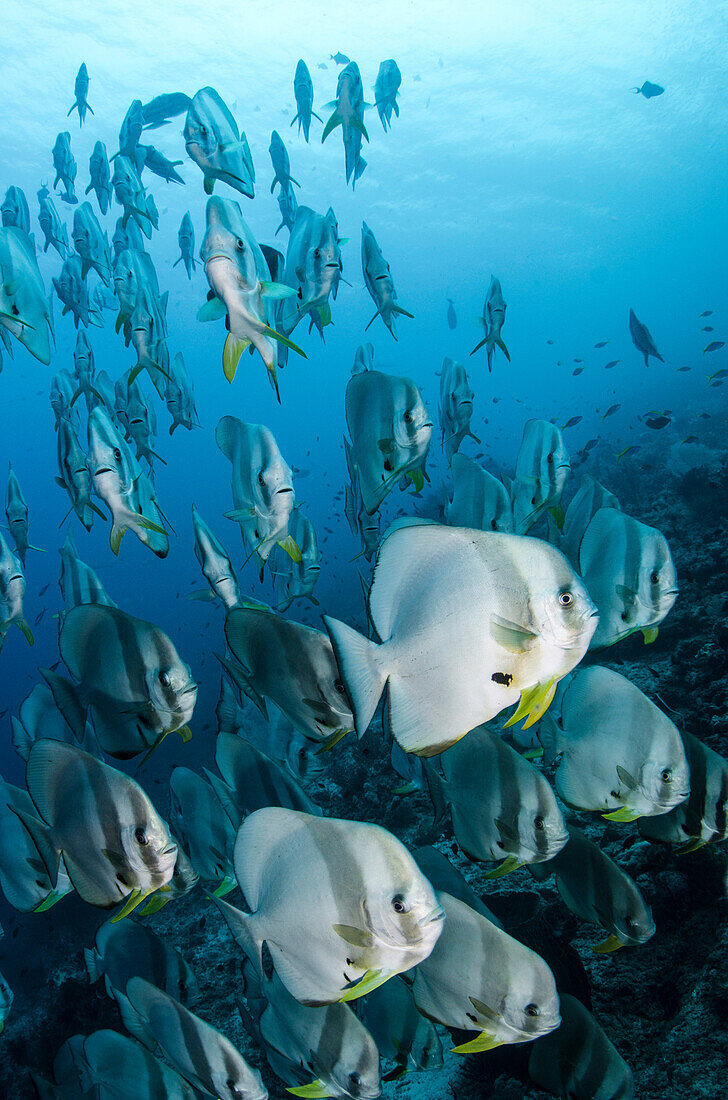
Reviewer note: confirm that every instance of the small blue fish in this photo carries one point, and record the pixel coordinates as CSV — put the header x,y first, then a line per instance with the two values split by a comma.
x,y
80,91
649,90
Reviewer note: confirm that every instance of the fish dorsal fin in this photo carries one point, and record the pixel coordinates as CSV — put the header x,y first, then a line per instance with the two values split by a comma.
x,y
257,837
46,764
393,570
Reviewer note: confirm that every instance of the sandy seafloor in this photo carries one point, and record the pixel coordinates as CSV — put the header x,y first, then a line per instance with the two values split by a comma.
x,y
664,1005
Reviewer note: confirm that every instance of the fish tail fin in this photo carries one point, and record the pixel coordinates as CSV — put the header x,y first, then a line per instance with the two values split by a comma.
x,y
334,121
92,960
436,787
480,345
179,261
72,108
358,660
242,929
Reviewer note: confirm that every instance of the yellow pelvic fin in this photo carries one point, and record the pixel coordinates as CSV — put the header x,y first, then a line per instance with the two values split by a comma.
x,y
155,903
291,547
234,348
136,897
417,478
650,633
690,846
612,943
332,740
271,332
623,814
510,863
116,535
49,901
227,884
369,981
481,1042
534,703
315,1091
559,516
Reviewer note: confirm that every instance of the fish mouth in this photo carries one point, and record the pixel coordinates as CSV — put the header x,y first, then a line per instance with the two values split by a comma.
x,y
102,470
286,489
671,592
435,916
219,255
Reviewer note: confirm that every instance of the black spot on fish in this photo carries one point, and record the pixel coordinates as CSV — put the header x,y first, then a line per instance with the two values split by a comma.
x,y
504,678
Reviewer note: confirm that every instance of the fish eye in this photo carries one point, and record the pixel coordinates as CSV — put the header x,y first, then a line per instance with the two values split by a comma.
x,y
233,1089
261,479
539,823
532,1010
631,923
164,679
117,453
354,1079
550,460
666,775
203,130
239,244
654,577
399,904
408,417
565,599
338,686
141,837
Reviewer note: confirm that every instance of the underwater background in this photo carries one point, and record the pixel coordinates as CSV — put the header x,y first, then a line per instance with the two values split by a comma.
x,y
521,151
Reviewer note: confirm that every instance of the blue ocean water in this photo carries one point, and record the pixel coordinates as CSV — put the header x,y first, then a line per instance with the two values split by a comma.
x,y
520,151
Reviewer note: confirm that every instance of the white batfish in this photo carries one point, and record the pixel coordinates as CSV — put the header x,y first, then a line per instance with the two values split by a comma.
x,y
470,622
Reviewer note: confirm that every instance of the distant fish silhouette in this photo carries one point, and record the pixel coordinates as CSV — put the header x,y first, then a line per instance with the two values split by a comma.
x,y
648,90
342,59
452,320
642,339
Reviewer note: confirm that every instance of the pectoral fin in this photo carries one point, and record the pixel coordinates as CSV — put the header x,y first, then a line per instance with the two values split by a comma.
x,y
483,1009
357,937
627,779
212,310
276,290
511,636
